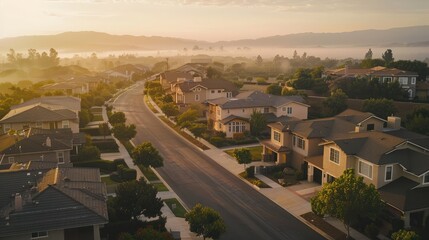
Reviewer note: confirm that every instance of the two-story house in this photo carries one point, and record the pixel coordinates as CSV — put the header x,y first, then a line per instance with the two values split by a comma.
x,y
40,115
58,203
43,144
406,79
200,90
170,77
393,159
232,115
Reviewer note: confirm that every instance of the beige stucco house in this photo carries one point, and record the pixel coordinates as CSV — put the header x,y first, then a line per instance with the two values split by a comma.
x,y
232,115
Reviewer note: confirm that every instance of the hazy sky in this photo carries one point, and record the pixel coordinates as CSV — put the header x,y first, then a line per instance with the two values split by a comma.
x,y
210,20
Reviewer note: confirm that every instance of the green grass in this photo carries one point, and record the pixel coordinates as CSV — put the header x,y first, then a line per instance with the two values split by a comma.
x,y
148,173
253,180
184,134
179,211
255,151
128,146
160,187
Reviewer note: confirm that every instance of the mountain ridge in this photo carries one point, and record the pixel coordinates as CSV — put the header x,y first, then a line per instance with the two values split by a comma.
x,y
100,41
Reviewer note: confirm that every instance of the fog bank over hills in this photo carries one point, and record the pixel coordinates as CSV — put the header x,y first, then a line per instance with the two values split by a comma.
x,y
415,36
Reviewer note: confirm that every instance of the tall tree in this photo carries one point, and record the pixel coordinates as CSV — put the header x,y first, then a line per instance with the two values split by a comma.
x,y
381,107
188,117
147,155
257,123
335,103
368,55
259,60
124,132
135,198
205,221
348,198
243,156
117,118
388,57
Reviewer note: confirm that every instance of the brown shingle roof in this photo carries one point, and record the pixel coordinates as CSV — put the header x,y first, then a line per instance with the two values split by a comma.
x,y
208,84
38,113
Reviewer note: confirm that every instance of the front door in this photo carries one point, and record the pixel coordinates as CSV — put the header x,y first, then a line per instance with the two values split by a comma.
x,y
317,175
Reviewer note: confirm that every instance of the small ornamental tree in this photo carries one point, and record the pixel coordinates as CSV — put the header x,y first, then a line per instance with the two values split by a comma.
x,y
348,198
169,109
335,103
117,118
205,221
243,156
197,129
274,89
124,132
104,129
257,123
135,198
188,116
147,155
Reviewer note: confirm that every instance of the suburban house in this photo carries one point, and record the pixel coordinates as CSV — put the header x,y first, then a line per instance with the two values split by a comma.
x,y
200,90
125,71
232,115
406,79
46,113
58,203
69,88
45,145
168,78
194,69
395,160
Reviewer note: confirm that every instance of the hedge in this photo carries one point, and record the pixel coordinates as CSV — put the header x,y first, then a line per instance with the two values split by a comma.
x,y
91,131
126,173
105,146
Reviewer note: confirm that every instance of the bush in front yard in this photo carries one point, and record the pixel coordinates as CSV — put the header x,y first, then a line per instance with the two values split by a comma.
x,y
250,171
126,173
89,153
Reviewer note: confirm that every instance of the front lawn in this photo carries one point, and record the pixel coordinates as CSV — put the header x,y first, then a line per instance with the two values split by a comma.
x,y
254,151
253,180
148,173
179,210
160,187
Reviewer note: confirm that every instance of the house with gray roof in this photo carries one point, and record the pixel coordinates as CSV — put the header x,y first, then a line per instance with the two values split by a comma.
x,y
394,160
54,102
55,146
200,90
406,79
232,115
59,203
42,115
170,77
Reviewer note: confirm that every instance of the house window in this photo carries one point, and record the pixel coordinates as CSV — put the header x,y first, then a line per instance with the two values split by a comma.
x,y
229,94
37,235
236,127
219,91
276,136
60,157
426,178
299,142
389,173
66,124
413,80
403,80
365,169
197,97
289,110
228,111
11,159
266,110
212,91
370,127
387,79
6,127
334,156
284,109
39,125
243,110
198,89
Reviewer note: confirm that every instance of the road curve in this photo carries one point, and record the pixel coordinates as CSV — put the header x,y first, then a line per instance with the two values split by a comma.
x,y
198,179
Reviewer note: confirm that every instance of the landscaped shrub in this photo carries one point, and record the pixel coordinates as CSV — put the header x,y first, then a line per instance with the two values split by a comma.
x,y
89,153
102,164
250,171
278,175
91,131
119,161
371,230
217,141
126,173
108,145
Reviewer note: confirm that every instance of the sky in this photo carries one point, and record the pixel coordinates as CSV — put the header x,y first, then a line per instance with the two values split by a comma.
x,y
210,20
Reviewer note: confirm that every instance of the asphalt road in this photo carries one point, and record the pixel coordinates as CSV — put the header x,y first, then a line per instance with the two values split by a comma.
x,y
198,179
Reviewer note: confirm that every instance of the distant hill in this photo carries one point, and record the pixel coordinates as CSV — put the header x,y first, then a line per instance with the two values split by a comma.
x,y
96,41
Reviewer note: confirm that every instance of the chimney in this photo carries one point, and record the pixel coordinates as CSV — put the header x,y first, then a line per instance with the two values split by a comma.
x,y
394,122
198,79
48,142
18,202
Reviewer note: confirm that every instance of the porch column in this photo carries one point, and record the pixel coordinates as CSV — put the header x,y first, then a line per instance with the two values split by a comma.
x,y
264,150
406,219
310,173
